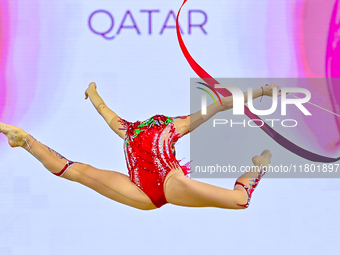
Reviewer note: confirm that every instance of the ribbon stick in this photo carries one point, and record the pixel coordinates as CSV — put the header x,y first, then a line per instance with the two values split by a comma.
x,y
316,105
284,142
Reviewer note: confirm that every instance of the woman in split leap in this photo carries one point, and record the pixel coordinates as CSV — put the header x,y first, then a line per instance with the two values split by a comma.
x,y
155,176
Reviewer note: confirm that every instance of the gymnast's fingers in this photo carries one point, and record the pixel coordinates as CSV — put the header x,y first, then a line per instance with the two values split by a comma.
x,y
278,91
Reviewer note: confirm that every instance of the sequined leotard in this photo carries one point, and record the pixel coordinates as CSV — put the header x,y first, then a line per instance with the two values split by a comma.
x,y
148,154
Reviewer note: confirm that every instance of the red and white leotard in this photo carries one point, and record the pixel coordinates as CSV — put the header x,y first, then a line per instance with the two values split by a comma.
x,y
149,156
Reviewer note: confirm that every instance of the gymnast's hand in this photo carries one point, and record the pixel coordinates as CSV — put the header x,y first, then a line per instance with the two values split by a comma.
x,y
268,90
92,87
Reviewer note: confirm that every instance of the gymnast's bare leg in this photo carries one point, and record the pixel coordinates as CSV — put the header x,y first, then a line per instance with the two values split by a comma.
x,y
179,190
113,185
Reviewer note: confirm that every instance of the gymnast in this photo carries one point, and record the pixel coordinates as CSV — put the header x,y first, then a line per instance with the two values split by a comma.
x,y
155,176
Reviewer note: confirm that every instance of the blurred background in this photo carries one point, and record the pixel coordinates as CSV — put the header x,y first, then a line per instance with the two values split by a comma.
x,y
51,50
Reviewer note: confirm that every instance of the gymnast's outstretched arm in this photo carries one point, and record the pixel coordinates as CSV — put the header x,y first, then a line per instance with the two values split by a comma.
x,y
110,117
184,126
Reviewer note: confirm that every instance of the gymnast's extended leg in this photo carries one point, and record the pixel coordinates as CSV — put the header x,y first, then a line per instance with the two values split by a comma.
x,y
180,190
113,185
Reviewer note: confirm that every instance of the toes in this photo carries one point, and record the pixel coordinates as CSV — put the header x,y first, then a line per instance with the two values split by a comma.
x,y
266,152
264,157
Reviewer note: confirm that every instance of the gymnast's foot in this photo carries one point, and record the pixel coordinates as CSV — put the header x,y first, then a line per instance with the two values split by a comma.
x,y
263,159
14,134
249,181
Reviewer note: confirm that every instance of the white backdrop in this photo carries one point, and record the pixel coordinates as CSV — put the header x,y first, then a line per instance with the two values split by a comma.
x,y
53,56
